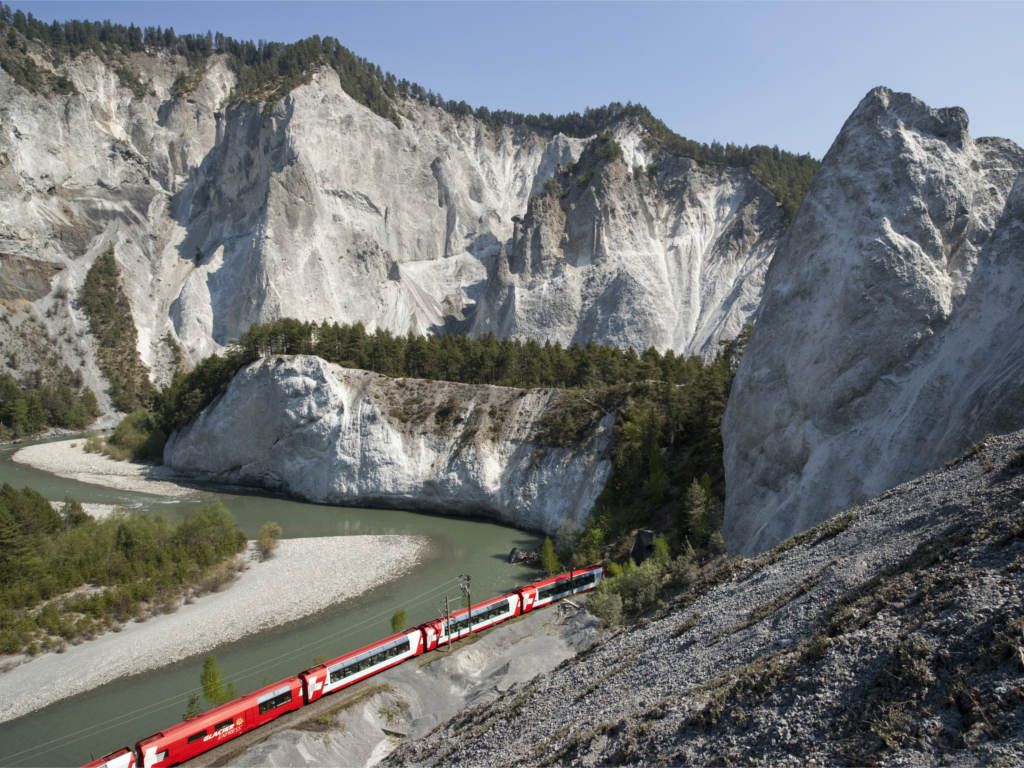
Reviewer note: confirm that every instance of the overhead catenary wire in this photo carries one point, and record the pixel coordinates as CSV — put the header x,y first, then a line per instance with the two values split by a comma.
x,y
244,674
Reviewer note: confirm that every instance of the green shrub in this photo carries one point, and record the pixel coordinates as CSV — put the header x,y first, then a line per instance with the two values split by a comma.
x,y
399,621
270,533
548,558
138,436
110,321
605,604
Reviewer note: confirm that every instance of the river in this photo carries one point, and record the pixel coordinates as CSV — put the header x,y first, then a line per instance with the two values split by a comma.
x,y
119,713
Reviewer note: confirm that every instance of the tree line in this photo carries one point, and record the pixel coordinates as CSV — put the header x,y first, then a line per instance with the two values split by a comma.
x,y
268,71
33,405
459,358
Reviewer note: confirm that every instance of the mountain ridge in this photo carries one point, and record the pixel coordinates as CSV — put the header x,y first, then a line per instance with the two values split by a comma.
x,y
222,212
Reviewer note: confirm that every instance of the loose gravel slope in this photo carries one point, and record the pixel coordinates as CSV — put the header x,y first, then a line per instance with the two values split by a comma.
x,y
891,634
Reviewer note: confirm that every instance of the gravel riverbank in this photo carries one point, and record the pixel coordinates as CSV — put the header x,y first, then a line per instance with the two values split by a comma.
x,y
290,585
68,459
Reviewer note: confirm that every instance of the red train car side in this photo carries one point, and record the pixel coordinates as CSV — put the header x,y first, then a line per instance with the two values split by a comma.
x,y
357,665
210,729
465,622
555,588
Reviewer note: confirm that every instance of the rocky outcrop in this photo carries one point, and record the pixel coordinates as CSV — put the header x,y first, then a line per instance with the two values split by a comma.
x,y
329,434
626,246
889,337
221,214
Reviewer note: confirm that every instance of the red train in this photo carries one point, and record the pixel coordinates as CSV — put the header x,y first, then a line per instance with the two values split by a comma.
x,y
185,740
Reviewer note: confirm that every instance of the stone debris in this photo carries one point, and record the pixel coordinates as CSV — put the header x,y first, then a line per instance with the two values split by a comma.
x,y
904,650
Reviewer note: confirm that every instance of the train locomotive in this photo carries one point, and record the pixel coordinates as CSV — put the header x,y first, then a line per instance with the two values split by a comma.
x,y
196,735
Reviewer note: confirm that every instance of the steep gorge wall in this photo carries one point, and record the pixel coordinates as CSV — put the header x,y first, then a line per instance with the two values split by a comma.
x,y
889,337
341,436
221,214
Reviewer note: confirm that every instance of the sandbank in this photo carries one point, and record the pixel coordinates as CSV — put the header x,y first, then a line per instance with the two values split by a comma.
x,y
291,584
68,459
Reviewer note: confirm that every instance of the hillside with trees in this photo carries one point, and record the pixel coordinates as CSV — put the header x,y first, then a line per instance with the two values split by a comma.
x,y
667,456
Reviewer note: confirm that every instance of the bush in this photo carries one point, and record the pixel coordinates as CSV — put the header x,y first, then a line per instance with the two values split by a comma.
x,y
399,621
269,535
138,437
548,558
606,604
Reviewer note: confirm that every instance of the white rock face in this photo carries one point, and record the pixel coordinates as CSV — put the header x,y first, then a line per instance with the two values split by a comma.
x,y
889,338
222,215
674,257
330,434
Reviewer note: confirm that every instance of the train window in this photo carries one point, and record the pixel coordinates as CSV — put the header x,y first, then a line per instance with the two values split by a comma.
x,y
558,589
583,581
493,611
196,736
278,701
358,665
222,726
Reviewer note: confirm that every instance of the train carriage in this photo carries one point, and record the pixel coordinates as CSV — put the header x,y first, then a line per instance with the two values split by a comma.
x,y
210,729
464,622
555,588
368,660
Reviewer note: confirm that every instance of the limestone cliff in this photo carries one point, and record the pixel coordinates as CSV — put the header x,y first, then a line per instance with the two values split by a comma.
x,y
889,337
335,435
624,245
222,213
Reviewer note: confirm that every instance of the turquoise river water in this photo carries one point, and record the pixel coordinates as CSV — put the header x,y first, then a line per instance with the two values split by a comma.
x,y
92,724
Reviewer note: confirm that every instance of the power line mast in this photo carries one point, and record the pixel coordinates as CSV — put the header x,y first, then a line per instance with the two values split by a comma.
x,y
447,624
464,579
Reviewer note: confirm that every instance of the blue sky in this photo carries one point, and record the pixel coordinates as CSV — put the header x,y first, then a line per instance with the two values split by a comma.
x,y
765,72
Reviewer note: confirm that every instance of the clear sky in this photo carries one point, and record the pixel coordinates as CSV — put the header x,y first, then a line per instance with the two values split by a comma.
x,y
786,73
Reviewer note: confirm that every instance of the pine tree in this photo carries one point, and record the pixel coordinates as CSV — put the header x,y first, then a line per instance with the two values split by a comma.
x,y
548,558
214,689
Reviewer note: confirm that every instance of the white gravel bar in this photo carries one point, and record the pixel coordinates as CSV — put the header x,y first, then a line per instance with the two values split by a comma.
x,y
69,459
291,584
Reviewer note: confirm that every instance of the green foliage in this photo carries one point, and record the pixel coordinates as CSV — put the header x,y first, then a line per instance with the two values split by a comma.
x,y
483,360
192,709
270,533
399,621
548,558
130,80
605,604
787,176
30,76
133,559
631,589
138,436
215,690
110,320
33,405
